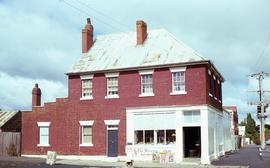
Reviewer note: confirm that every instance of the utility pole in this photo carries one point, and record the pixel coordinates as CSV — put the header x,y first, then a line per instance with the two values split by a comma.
x,y
262,105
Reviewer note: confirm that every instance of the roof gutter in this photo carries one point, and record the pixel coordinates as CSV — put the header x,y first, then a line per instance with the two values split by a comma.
x,y
206,62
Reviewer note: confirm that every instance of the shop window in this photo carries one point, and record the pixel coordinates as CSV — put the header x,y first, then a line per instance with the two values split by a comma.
x,y
192,116
170,137
149,137
139,137
160,136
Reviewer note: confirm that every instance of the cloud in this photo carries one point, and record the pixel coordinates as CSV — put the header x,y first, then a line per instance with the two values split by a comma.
x,y
40,40
16,91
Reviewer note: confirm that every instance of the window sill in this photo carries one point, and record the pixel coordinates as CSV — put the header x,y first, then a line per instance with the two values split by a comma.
x,y
219,101
86,144
43,145
111,96
146,94
210,95
215,98
86,98
178,93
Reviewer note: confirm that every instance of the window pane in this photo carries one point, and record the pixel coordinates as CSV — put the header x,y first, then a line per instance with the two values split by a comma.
x,y
170,136
160,136
44,139
149,137
146,83
196,116
86,87
112,86
44,130
87,134
87,130
178,81
44,135
188,117
138,135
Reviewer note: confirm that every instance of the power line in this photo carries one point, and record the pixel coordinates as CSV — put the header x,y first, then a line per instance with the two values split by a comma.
x,y
88,15
103,14
260,59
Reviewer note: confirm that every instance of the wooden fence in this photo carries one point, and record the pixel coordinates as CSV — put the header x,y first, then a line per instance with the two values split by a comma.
x,y
10,144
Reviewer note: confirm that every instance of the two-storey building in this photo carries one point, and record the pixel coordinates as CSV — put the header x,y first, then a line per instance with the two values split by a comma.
x,y
142,93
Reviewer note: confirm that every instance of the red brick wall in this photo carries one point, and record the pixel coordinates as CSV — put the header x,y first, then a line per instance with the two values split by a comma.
x,y
65,114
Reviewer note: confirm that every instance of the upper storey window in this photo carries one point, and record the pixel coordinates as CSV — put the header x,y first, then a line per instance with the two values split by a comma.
x,y
146,83
112,85
178,80
87,87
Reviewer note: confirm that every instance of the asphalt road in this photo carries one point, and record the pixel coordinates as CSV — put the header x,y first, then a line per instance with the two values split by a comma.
x,y
248,156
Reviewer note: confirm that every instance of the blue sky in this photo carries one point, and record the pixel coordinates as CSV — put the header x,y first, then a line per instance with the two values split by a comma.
x,y
40,40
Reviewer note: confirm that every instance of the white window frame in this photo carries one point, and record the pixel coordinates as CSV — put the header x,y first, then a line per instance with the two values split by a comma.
x,y
86,77
174,70
108,76
44,125
142,73
88,123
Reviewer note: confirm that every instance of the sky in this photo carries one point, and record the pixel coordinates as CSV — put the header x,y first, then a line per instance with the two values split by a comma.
x,y
41,40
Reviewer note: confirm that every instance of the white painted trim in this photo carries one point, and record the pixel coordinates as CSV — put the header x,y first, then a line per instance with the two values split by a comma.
x,y
86,123
209,72
83,77
146,72
218,81
86,144
210,95
214,77
215,98
112,96
178,92
146,94
164,108
111,122
43,124
111,75
43,145
178,69
86,98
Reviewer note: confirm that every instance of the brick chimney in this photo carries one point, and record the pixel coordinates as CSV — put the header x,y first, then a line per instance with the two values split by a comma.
x,y
141,31
87,36
36,96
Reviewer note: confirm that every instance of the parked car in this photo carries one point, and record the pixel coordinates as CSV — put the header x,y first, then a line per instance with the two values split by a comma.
x,y
267,142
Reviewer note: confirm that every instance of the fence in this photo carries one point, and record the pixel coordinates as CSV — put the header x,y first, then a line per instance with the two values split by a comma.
x,y
10,144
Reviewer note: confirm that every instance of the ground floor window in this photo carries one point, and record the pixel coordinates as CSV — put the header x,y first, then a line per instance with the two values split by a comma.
x,y
147,137
86,135
43,133
86,132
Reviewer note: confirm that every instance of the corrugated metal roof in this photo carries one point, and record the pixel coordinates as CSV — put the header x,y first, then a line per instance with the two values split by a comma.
x,y
117,51
5,116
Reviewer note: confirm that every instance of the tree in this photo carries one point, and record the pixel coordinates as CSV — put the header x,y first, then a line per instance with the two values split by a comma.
x,y
251,129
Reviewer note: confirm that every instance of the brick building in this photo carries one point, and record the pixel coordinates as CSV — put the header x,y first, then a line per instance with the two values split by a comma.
x,y
139,92
234,123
